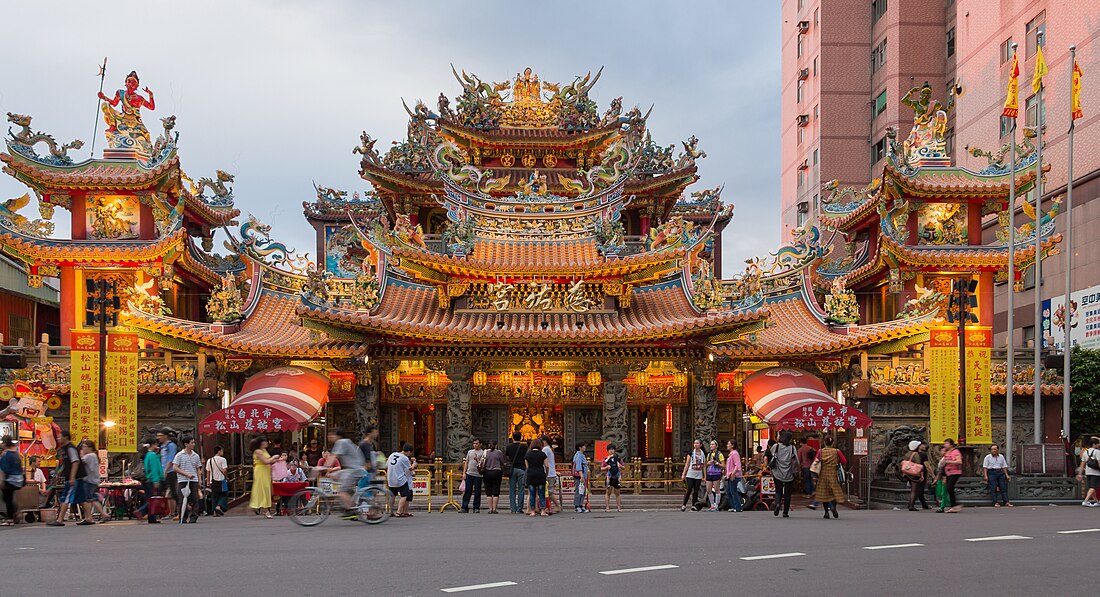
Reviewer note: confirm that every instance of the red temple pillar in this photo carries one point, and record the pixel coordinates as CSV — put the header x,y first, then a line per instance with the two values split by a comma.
x,y
70,294
645,225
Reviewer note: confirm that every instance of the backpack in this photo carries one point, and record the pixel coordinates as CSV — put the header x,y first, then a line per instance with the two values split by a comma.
x,y
1091,462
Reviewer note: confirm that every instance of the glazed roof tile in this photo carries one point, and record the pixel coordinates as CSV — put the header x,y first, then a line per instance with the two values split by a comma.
x,y
656,312
794,330
93,174
130,251
271,329
1019,389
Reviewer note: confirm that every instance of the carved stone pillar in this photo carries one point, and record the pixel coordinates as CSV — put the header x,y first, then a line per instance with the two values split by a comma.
x,y
367,398
705,404
615,428
458,411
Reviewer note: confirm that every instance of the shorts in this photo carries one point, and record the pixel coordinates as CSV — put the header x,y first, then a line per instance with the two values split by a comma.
x,y
403,491
348,479
1093,481
170,487
613,483
74,493
551,484
90,491
714,477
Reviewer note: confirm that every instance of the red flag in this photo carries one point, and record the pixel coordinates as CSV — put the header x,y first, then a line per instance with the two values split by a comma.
x,y
1012,102
1075,99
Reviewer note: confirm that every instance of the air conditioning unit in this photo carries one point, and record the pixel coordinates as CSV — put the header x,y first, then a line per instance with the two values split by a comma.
x,y
803,120
804,207
803,26
805,165
803,74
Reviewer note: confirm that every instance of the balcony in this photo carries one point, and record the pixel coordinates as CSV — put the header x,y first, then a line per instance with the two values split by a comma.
x,y
160,372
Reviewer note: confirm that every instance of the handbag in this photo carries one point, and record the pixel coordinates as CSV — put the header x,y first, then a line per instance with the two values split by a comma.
x,y
910,468
815,467
714,469
1091,462
841,476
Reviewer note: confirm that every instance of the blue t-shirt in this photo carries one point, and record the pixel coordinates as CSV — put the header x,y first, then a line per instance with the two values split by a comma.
x,y
580,463
168,455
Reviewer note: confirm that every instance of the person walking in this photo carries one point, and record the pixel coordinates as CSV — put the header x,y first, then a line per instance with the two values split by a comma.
x,y
995,473
515,453
829,490
168,449
952,470
613,466
692,475
784,466
715,467
12,478
216,469
806,456
399,476
261,477
154,476
473,467
580,478
1090,472
494,474
918,480
552,485
734,474
537,468
188,467
90,482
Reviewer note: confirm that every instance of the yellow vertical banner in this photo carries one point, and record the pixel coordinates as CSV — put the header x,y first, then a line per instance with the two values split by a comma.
x,y
943,384
84,386
979,345
121,382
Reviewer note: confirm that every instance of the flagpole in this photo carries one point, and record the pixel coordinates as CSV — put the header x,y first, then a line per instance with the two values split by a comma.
x,y
1011,364
1066,327
1038,364
99,102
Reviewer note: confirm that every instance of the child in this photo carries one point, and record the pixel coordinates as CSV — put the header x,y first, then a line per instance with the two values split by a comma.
x,y
614,468
580,474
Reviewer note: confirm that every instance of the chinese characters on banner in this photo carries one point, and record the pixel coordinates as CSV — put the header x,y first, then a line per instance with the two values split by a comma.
x,y
342,386
84,388
249,419
943,384
122,387
825,417
979,342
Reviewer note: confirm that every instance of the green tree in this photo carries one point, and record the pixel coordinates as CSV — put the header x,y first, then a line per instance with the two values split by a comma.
x,y
1084,409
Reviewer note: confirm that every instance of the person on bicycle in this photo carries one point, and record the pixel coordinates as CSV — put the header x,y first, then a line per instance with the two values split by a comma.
x,y
351,465
366,447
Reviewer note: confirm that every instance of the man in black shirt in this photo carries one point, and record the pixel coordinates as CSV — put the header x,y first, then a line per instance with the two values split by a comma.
x,y
72,469
366,446
515,452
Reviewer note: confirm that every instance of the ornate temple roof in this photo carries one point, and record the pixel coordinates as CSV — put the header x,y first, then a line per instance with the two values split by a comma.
x,y
32,249
90,175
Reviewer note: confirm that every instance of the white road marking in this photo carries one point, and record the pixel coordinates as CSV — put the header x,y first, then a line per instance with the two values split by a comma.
x,y
793,554
1078,531
897,546
998,538
489,585
642,569
25,548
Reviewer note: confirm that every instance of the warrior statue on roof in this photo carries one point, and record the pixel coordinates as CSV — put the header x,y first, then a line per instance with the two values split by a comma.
x,y
125,131
925,144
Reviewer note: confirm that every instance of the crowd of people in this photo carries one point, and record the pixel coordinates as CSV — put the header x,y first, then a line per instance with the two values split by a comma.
x,y
178,484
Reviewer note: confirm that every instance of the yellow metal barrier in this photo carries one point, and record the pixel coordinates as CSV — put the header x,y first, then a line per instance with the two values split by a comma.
x,y
450,494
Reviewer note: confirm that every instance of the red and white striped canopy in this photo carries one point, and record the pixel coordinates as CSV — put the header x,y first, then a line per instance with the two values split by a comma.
x,y
792,399
274,400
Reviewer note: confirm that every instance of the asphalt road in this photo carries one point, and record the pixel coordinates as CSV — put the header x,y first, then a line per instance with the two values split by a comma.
x,y
698,553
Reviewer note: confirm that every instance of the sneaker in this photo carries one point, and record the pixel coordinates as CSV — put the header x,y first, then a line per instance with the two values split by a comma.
x,y
812,506
1086,503
682,508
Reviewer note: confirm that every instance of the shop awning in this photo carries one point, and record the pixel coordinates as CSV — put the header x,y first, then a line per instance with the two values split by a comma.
x,y
792,399
278,399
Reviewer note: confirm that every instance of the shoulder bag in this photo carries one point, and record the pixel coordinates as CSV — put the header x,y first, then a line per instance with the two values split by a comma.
x,y
1091,462
815,467
912,469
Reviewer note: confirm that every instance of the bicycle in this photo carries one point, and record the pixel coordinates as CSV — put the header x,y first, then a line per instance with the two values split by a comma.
x,y
312,505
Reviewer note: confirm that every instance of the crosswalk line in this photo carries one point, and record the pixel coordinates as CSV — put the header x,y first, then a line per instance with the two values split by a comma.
x,y
895,546
998,538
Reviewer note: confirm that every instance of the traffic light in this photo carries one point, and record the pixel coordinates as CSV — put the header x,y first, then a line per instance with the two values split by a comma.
x,y
962,301
13,361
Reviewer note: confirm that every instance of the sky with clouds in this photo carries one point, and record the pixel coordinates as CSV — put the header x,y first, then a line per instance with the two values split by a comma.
x,y
277,92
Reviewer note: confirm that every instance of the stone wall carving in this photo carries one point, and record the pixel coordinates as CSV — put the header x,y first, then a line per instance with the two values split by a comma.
x,y
459,425
366,404
705,410
614,407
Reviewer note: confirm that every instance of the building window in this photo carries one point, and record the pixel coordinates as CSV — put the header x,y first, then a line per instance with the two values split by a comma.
x,y
1029,336
801,134
19,330
878,151
878,56
817,17
798,47
800,91
1034,28
879,105
815,66
1006,50
816,113
817,156
949,142
878,8
801,177
1006,125
801,219
950,42
801,4
1031,111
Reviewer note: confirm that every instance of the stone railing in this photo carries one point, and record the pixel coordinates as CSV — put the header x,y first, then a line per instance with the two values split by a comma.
x,y
159,371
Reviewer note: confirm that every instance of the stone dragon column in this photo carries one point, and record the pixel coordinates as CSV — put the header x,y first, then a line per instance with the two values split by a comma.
x,y
615,426
458,411
705,404
367,389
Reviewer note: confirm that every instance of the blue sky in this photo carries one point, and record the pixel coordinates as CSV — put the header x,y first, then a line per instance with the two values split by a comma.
x,y
278,92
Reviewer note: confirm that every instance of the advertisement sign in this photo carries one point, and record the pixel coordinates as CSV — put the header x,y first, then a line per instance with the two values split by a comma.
x,y
1084,320
943,384
122,388
84,388
979,343
422,483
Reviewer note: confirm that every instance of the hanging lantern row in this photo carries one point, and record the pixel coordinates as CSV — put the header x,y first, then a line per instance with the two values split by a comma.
x,y
393,377
594,378
505,378
480,378
568,378
433,379
641,379
680,379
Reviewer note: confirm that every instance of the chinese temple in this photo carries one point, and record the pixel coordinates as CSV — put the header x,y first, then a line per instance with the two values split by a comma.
x,y
523,261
